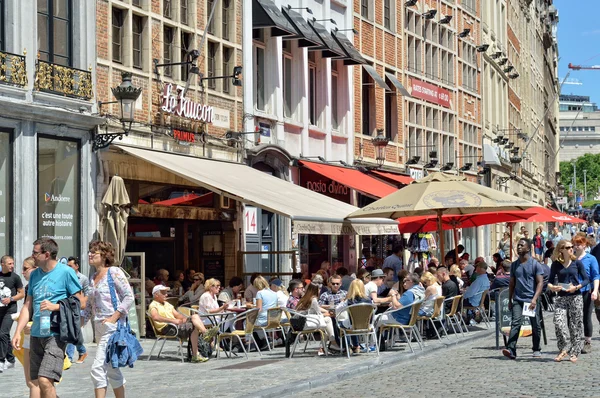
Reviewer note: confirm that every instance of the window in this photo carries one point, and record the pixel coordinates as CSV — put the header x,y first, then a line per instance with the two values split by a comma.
x,y
259,78
2,39
59,170
312,94
137,26
225,19
390,125
167,8
364,8
227,68
168,50
186,47
287,85
55,31
387,14
5,192
367,100
183,11
210,27
137,3
335,113
117,34
210,63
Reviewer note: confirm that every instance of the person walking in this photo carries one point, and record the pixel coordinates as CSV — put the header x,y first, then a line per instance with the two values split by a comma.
x,y
101,256
589,293
73,262
11,291
565,275
539,243
525,286
34,390
504,246
50,283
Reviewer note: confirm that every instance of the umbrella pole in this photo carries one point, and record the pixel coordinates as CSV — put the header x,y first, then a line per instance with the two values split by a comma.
x,y
455,235
441,234
510,227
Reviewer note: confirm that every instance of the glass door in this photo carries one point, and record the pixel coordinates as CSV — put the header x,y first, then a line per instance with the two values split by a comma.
x,y
134,264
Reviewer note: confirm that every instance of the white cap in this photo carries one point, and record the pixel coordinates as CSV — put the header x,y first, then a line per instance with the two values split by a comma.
x,y
158,288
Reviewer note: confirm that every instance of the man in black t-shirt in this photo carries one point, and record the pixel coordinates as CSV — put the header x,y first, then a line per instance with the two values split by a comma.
x,y
11,291
449,287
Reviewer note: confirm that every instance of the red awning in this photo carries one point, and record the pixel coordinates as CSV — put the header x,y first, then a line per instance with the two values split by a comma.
x,y
191,199
393,177
352,178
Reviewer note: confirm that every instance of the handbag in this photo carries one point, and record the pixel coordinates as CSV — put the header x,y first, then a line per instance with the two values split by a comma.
x,y
123,348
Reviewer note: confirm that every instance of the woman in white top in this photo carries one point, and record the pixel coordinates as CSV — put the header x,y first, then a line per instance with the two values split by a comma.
x,y
101,256
433,290
317,316
208,301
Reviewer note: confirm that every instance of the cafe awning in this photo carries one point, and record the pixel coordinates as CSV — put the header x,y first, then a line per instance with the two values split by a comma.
x,y
399,87
399,178
378,80
311,212
352,178
330,48
265,14
354,57
306,37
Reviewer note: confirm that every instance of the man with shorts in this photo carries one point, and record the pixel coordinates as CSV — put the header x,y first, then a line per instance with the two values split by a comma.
x,y
164,316
11,291
50,283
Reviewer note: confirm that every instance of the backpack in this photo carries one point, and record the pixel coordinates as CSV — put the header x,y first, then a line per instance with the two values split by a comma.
x,y
204,348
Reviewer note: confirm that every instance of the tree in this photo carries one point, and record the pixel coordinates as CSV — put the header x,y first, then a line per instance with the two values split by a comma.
x,y
588,162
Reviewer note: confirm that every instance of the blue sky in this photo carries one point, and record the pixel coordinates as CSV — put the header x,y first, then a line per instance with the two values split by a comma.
x,y
579,44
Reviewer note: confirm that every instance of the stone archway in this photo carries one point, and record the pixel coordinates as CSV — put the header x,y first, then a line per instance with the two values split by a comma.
x,y
270,158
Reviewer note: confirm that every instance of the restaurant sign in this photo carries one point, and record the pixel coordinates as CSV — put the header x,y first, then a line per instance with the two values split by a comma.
x,y
175,102
430,92
346,228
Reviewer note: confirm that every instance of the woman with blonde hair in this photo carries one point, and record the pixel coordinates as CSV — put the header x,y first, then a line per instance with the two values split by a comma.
x,y
566,273
208,301
433,290
356,295
456,276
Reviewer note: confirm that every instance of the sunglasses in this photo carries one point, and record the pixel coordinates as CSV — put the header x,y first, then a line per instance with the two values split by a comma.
x,y
196,279
336,284
568,247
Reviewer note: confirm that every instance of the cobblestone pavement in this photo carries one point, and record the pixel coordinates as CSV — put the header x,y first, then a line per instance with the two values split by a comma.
x,y
477,369
269,375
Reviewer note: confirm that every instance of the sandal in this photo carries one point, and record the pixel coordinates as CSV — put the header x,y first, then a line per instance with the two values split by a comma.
x,y
573,358
561,356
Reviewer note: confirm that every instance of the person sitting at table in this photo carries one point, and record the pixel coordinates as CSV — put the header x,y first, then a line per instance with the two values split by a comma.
x,y
163,314
319,281
317,316
398,285
192,296
356,295
433,290
346,279
363,275
276,285
296,290
162,277
227,295
377,279
250,293
388,282
336,295
502,280
456,276
177,285
189,279
478,286
265,299
208,303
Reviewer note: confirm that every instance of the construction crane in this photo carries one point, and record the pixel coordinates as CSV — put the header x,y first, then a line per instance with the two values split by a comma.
x,y
575,82
580,67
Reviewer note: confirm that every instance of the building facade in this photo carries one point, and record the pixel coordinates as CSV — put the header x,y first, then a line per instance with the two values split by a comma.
x,y
47,94
579,121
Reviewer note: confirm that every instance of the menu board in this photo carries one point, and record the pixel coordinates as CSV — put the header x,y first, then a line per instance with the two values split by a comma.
x,y
5,192
58,193
506,316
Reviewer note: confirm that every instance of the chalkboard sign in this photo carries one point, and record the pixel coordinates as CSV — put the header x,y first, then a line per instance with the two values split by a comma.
x,y
505,316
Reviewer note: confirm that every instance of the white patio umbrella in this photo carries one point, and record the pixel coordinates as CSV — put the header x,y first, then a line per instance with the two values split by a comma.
x,y
115,211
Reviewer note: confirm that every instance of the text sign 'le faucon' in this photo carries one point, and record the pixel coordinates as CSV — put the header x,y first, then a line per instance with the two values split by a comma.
x,y
174,101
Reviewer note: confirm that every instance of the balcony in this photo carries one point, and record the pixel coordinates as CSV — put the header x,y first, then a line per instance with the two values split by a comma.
x,y
12,69
64,80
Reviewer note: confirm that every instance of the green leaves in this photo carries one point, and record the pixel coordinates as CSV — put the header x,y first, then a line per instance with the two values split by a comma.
x,y
588,162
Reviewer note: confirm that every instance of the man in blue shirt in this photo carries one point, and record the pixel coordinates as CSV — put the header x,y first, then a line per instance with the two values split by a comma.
x,y
480,284
526,284
394,261
49,283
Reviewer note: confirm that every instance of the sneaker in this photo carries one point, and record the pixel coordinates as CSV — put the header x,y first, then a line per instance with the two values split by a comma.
x,y
334,346
473,322
277,342
9,365
82,358
210,333
587,348
509,354
199,359
537,354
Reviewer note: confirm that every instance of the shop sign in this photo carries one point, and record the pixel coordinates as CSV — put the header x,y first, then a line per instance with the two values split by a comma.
x,y
325,186
250,220
174,102
221,118
346,228
430,92
185,136
416,174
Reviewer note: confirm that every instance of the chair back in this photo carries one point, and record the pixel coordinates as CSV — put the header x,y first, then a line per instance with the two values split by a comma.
x,y
438,307
483,296
187,311
455,305
273,318
251,316
414,315
361,316
174,301
156,332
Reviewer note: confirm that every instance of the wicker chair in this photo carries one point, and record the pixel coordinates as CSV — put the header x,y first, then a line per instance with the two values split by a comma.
x,y
361,324
250,318
481,308
454,315
273,324
411,326
164,337
438,315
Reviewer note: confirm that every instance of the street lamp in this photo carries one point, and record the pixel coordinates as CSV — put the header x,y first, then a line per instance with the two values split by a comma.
x,y
380,142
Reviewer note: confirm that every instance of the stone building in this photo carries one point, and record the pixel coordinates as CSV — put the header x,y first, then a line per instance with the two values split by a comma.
x,y
579,121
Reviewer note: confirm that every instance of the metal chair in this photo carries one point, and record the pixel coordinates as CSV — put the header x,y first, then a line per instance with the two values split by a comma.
x,y
361,317
250,317
305,332
164,337
438,315
187,311
273,324
454,316
411,326
481,308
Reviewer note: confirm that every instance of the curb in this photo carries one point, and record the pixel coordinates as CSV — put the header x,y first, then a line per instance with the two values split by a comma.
x,y
368,367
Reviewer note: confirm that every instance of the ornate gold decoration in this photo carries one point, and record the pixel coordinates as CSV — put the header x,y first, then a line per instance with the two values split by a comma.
x,y
64,80
12,69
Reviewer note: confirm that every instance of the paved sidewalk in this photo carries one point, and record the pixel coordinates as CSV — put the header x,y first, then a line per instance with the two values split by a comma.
x,y
269,375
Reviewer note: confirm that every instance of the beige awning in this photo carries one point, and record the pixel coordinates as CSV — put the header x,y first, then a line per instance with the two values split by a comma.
x,y
311,212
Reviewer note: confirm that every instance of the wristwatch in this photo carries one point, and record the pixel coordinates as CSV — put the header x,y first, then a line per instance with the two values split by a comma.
x,y
12,299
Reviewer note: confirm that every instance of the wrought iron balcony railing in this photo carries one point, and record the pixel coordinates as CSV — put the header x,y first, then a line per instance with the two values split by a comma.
x,y
12,69
64,80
